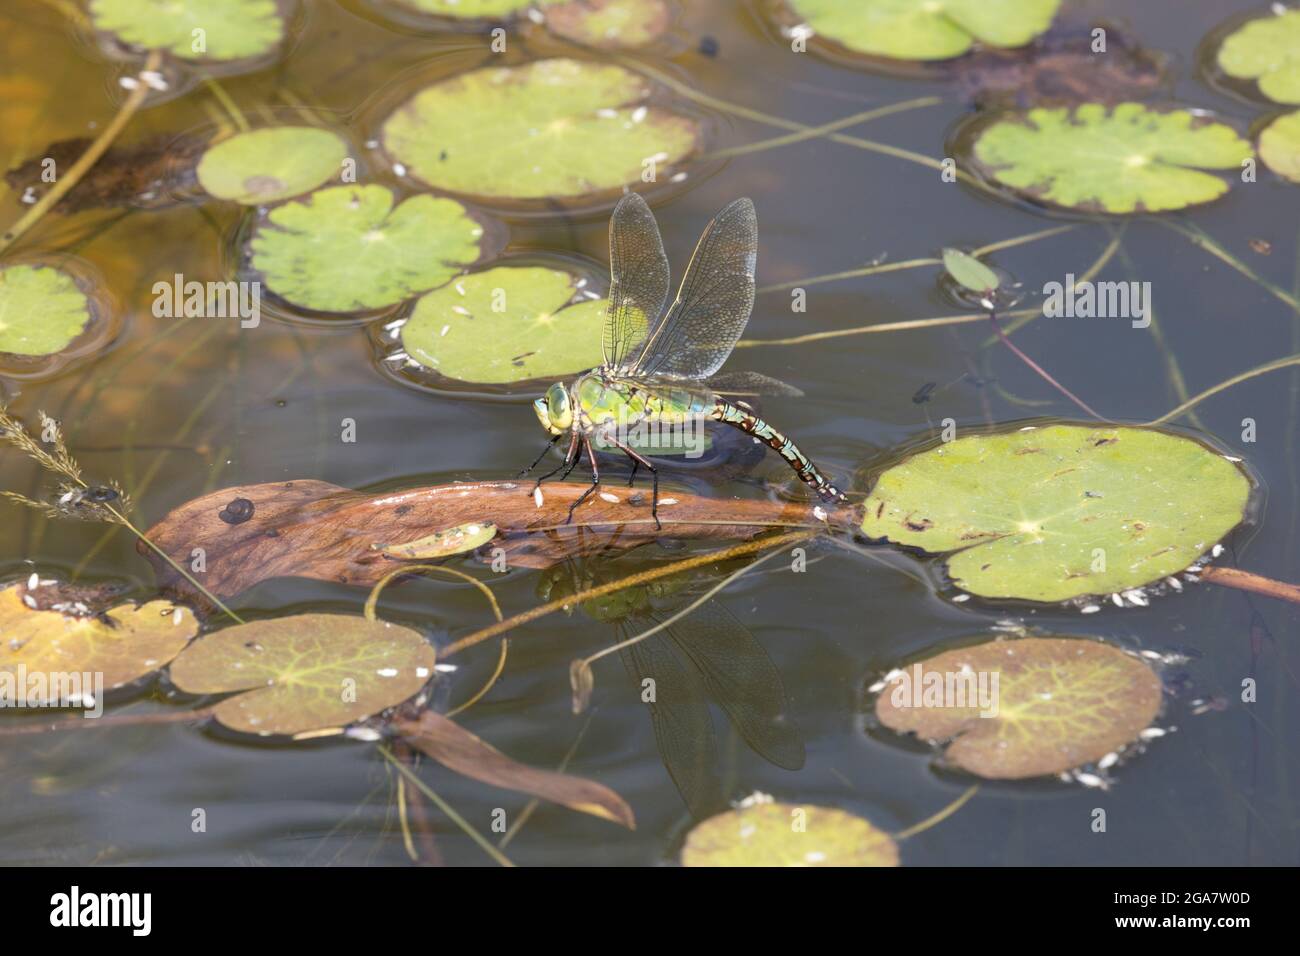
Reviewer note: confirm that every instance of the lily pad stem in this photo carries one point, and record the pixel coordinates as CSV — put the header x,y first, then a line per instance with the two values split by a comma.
x,y
993,320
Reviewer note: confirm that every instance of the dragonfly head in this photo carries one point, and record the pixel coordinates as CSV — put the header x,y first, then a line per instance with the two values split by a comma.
x,y
555,411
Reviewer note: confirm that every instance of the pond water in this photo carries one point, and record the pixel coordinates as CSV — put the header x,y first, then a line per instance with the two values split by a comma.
x,y
176,408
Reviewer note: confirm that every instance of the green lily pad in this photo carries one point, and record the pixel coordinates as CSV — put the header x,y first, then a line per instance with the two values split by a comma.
x,y
231,29
539,333
349,249
125,644
441,544
553,128
969,272
305,672
41,310
1129,158
1057,703
1279,146
610,24
268,165
1266,49
925,29
1054,513
764,833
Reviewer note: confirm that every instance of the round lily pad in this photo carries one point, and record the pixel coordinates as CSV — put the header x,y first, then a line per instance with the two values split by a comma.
x,y
1053,513
925,29
1048,704
41,310
1129,158
441,544
268,165
783,834
305,672
125,644
193,29
610,24
1279,146
507,324
1266,49
349,248
553,128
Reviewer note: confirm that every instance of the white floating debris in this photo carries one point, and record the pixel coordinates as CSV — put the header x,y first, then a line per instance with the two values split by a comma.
x,y
387,672
819,512
959,598
33,582
606,496
1091,780
667,501
445,668
1090,609
537,496
1151,733
1108,761
362,733
177,616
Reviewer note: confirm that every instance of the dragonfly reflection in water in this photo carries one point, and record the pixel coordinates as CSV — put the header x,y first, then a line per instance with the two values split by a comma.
x,y
659,366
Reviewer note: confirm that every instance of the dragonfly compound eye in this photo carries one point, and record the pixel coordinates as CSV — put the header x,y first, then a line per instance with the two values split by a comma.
x,y
558,411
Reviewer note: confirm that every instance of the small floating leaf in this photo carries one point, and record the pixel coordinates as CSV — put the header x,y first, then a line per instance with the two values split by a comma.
x,y
1266,49
305,672
610,24
41,310
349,249
268,165
925,29
969,272
227,29
507,324
782,834
441,544
1058,703
1054,513
1129,158
1279,146
553,128
125,644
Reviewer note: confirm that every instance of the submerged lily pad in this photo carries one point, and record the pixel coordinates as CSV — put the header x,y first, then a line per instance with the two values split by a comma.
x,y
925,29
1129,158
1054,513
348,248
610,24
538,331
305,672
124,644
41,310
553,128
1279,146
1266,49
1057,703
441,544
471,9
267,165
764,833
193,29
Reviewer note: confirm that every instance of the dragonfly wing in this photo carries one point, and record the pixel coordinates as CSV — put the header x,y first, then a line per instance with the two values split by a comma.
x,y
638,286
698,332
742,680
743,384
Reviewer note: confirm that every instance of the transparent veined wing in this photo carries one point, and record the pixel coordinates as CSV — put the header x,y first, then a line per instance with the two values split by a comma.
x,y
701,327
750,384
638,285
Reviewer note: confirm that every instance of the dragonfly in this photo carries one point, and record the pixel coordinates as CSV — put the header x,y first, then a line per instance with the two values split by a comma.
x,y
660,364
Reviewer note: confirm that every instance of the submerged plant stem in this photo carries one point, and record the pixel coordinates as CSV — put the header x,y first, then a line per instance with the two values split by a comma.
x,y
1287,362
939,817
86,160
815,132
1002,336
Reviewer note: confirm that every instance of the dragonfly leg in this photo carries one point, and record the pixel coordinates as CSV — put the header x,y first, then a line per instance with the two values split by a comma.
x,y
549,445
570,459
638,460
595,478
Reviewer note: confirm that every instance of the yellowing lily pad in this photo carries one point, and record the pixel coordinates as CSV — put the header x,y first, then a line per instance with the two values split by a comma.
x,y
610,24
1279,146
507,324
1266,49
132,643
350,249
268,165
41,310
782,834
1054,513
441,544
925,29
1125,159
1048,704
305,672
193,29
553,128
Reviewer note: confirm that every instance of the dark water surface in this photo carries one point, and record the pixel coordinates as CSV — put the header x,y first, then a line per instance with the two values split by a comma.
x,y
178,409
